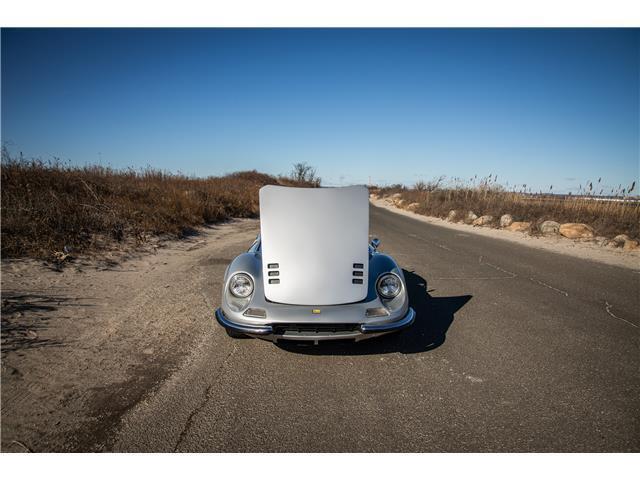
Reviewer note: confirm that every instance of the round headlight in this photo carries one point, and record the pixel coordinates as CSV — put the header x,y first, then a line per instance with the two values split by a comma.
x,y
241,285
389,285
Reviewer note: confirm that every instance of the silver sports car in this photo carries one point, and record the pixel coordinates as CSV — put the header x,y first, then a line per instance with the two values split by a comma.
x,y
312,273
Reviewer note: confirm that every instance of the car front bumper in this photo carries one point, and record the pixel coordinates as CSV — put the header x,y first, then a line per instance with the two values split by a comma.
x,y
316,332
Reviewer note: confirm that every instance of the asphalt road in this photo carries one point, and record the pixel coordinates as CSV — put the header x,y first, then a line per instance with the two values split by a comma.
x,y
513,349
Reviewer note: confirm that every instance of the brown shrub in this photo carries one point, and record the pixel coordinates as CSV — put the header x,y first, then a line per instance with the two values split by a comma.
x,y
47,206
607,217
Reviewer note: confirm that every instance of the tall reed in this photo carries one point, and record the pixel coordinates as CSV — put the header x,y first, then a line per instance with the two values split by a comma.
x,y
616,213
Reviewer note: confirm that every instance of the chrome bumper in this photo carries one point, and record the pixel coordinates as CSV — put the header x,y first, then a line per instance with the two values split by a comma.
x,y
372,329
236,327
404,322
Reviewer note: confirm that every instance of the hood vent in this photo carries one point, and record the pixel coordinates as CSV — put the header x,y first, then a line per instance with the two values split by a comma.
x,y
357,272
273,274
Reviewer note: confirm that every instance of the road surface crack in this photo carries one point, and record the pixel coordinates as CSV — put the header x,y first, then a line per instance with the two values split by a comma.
x,y
608,308
206,397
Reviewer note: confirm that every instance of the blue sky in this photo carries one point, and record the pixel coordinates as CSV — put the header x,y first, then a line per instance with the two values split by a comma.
x,y
538,107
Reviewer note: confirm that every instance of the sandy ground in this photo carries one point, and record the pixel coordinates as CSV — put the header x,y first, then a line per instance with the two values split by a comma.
x,y
581,249
83,345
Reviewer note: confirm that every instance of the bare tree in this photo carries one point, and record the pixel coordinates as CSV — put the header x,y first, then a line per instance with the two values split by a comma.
x,y
304,173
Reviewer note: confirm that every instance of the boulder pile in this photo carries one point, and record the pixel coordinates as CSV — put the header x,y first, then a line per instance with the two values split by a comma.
x,y
548,228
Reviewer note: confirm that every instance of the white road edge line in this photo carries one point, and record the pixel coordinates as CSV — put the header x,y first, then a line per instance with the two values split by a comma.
x,y
608,306
472,278
430,242
509,274
549,286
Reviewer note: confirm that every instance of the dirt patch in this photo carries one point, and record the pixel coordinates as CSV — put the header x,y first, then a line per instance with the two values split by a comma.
x,y
83,344
107,404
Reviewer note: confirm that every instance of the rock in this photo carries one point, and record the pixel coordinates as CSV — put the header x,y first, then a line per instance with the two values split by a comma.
x,y
60,257
373,196
470,217
620,240
601,241
624,241
412,206
576,230
549,227
483,220
398,203
506,220
452,216
396,196
519,227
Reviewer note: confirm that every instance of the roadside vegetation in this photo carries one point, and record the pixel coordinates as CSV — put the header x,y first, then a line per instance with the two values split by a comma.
x,y
51,209
608,213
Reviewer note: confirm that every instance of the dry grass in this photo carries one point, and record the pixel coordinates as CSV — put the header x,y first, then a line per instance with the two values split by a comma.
x,y
49,206
486,197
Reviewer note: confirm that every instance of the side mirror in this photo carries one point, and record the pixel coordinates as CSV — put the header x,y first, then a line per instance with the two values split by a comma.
x,y
375,243
255,246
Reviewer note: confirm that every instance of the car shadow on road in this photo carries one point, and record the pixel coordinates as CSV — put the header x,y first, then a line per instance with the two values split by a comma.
x,y
434,316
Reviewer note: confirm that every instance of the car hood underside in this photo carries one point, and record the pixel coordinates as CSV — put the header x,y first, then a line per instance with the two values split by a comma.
x,y
314,244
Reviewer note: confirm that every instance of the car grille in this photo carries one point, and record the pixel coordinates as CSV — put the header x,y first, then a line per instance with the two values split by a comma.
x,y
310,328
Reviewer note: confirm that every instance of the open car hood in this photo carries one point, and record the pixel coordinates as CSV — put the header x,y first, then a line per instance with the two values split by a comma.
x,y
313,242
